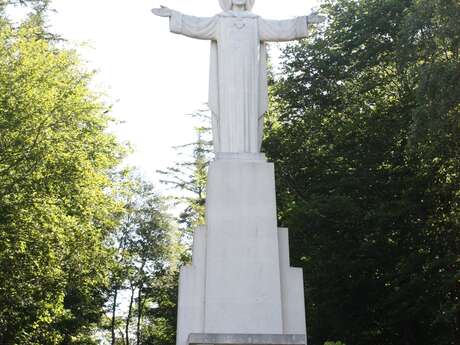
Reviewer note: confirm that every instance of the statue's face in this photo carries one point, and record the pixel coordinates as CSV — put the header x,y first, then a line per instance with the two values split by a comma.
x,y
239,2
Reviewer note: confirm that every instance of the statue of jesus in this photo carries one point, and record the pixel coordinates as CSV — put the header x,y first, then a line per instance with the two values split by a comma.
x,y
238,94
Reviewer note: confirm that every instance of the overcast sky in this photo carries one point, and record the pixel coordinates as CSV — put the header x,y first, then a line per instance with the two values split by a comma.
x,y
152,77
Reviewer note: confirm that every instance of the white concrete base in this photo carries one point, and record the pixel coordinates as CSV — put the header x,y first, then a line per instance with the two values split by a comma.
x,y
240,281
245,339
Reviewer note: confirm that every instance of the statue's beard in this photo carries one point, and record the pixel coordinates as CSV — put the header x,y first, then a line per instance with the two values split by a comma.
x,y
227,5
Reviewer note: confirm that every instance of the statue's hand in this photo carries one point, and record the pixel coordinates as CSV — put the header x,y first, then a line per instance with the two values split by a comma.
x,y
163,11
315,18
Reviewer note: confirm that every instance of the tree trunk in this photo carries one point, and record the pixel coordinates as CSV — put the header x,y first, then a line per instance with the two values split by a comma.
x,y
122,336
139,302
114,310
140,308
128,318
457,328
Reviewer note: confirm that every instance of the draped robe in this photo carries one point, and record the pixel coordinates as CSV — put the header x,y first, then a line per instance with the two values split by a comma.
x,y
238,94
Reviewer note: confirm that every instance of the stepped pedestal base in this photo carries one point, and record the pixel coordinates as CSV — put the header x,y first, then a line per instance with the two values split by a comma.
x,y
240,286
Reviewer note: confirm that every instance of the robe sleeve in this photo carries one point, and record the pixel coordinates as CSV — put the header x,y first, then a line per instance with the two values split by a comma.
x,y
283,30
195,27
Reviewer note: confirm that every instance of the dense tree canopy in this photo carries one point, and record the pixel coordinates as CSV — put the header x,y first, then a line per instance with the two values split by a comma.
x,y
364,131
56,205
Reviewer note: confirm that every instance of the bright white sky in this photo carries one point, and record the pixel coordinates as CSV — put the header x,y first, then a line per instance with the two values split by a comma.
x,y
152,77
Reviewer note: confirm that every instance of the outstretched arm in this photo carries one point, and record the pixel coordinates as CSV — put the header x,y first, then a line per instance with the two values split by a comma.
x,y
195,27
287,30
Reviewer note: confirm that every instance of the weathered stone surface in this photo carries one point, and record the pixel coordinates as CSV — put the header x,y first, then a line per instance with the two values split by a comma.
x,y
245,339
243,288
240,281
291,289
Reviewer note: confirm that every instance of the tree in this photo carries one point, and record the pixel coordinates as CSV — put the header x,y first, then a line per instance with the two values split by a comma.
x,y
36,5
189,176
364,132
56,202
162,315
146,248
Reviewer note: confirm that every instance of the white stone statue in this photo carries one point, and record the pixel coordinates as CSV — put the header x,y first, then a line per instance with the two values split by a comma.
x,y
238,95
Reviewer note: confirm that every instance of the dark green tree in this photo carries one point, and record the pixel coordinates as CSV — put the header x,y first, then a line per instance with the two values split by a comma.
x,y
161,316
364,130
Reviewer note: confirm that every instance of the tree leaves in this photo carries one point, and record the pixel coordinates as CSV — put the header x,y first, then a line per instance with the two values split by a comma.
x,y
364,134
55,202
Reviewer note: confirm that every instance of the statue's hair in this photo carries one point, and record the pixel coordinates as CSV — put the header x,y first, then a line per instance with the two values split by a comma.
x,y
227,4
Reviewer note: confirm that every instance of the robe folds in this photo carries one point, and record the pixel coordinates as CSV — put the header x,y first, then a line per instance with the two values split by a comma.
x,y
238,93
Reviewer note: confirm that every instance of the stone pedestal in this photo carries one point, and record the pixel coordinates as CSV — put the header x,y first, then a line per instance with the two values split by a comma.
x,y
240,285
246,339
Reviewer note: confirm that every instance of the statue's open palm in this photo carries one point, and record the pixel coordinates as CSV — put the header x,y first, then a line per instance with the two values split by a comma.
x,y
315,18
163,11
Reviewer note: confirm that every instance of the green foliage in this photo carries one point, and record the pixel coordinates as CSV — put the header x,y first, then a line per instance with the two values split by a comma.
x,y
146,252
56,204
364,131
36,12
189,176
162,315
24,2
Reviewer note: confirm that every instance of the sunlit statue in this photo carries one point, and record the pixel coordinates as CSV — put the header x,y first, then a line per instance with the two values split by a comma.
x,y
238,95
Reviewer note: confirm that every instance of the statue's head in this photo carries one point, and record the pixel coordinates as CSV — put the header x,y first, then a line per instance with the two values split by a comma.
x,y
228,4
